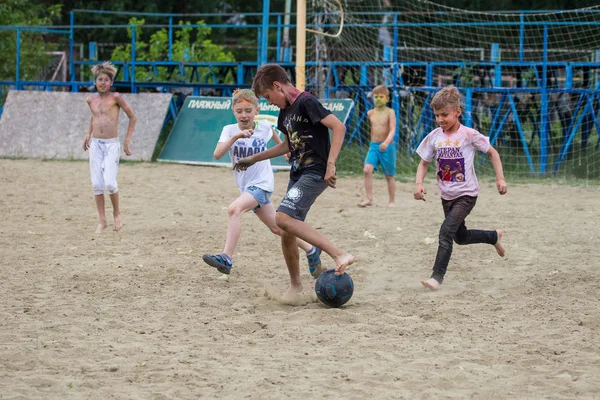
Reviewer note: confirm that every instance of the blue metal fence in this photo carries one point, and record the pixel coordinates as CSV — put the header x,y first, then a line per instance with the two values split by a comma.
x,y
548,77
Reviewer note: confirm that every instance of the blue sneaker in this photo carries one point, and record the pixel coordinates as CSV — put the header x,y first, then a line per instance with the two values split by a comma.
x,y
314,262
219,262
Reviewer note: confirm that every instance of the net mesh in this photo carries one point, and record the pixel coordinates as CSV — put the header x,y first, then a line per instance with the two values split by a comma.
x,y
528,80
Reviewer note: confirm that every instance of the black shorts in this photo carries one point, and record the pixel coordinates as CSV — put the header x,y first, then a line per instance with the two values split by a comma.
x,y
301,194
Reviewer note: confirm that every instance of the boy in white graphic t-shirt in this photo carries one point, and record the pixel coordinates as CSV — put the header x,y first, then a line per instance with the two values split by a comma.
x,y
454,146
244,139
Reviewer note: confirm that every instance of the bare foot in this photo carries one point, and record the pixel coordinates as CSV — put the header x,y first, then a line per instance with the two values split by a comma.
x,y
391,205
342,262
101,226
498,245
118,223
365,203
432,284
293,296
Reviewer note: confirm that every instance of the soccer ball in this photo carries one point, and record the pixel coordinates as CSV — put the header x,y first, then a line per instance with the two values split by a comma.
x,y
333,290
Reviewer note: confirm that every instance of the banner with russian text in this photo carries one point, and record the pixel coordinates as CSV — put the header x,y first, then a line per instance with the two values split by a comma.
x,y
196,131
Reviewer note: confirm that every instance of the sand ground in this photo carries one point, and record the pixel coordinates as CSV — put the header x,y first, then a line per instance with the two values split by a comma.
x,y
138,315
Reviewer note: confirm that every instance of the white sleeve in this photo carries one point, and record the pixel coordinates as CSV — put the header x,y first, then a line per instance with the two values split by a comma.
x,y
479,141
426,149
225,134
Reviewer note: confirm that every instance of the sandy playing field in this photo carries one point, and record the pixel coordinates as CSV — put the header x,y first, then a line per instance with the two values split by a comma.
x,y
138,315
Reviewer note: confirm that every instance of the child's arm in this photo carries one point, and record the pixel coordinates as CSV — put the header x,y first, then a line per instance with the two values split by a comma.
x,y
86,139
275,136
88,135
223,147
497,163
392,131
132,120
275,151
278,140
420,189
337,140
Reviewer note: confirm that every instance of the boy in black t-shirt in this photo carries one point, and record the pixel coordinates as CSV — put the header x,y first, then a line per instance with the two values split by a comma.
x,y
305,123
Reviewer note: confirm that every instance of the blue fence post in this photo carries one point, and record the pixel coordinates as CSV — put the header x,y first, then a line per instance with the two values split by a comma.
x,y
259,41
18,61
568,76
364,75
170,38
74,87
240,74
133,44
93,50
469,107
264,40
544,108
495,58
429,74
278,38
522,38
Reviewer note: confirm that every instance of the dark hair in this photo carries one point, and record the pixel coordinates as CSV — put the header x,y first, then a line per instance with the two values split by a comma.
x,y
266,75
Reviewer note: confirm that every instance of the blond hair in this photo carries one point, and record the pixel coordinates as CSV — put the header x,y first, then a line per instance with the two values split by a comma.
x,y
105,68
244,95
448,96
266,75
381,89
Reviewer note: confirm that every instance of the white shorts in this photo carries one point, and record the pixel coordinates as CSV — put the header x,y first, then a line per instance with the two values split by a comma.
x,y
104,164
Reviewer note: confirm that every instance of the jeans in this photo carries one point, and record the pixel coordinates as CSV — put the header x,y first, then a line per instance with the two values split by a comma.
x,y
454,228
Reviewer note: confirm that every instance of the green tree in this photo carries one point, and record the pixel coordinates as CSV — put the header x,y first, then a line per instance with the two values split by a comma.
x,y
189,45
34,47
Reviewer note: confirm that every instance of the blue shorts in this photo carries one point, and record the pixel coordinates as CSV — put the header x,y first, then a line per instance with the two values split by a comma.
x,y
386,159
261,196
301,195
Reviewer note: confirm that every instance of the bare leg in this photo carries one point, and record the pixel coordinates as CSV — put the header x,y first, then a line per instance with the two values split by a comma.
x,y
498,245
101,213
290,254
114,199
368,173
235,210
431,284
267,215
391,184
306,232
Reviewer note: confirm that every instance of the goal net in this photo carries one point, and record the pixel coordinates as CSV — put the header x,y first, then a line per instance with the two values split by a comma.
x,y
528,80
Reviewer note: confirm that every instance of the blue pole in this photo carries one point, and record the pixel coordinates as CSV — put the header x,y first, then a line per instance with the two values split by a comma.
x,y
259,51
133,40
395,53
18,60
93,50
74,88
240,74
264,42
495,57
429,75
521,134
170,38
568,76
279,38
522,39
468,108
544,109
